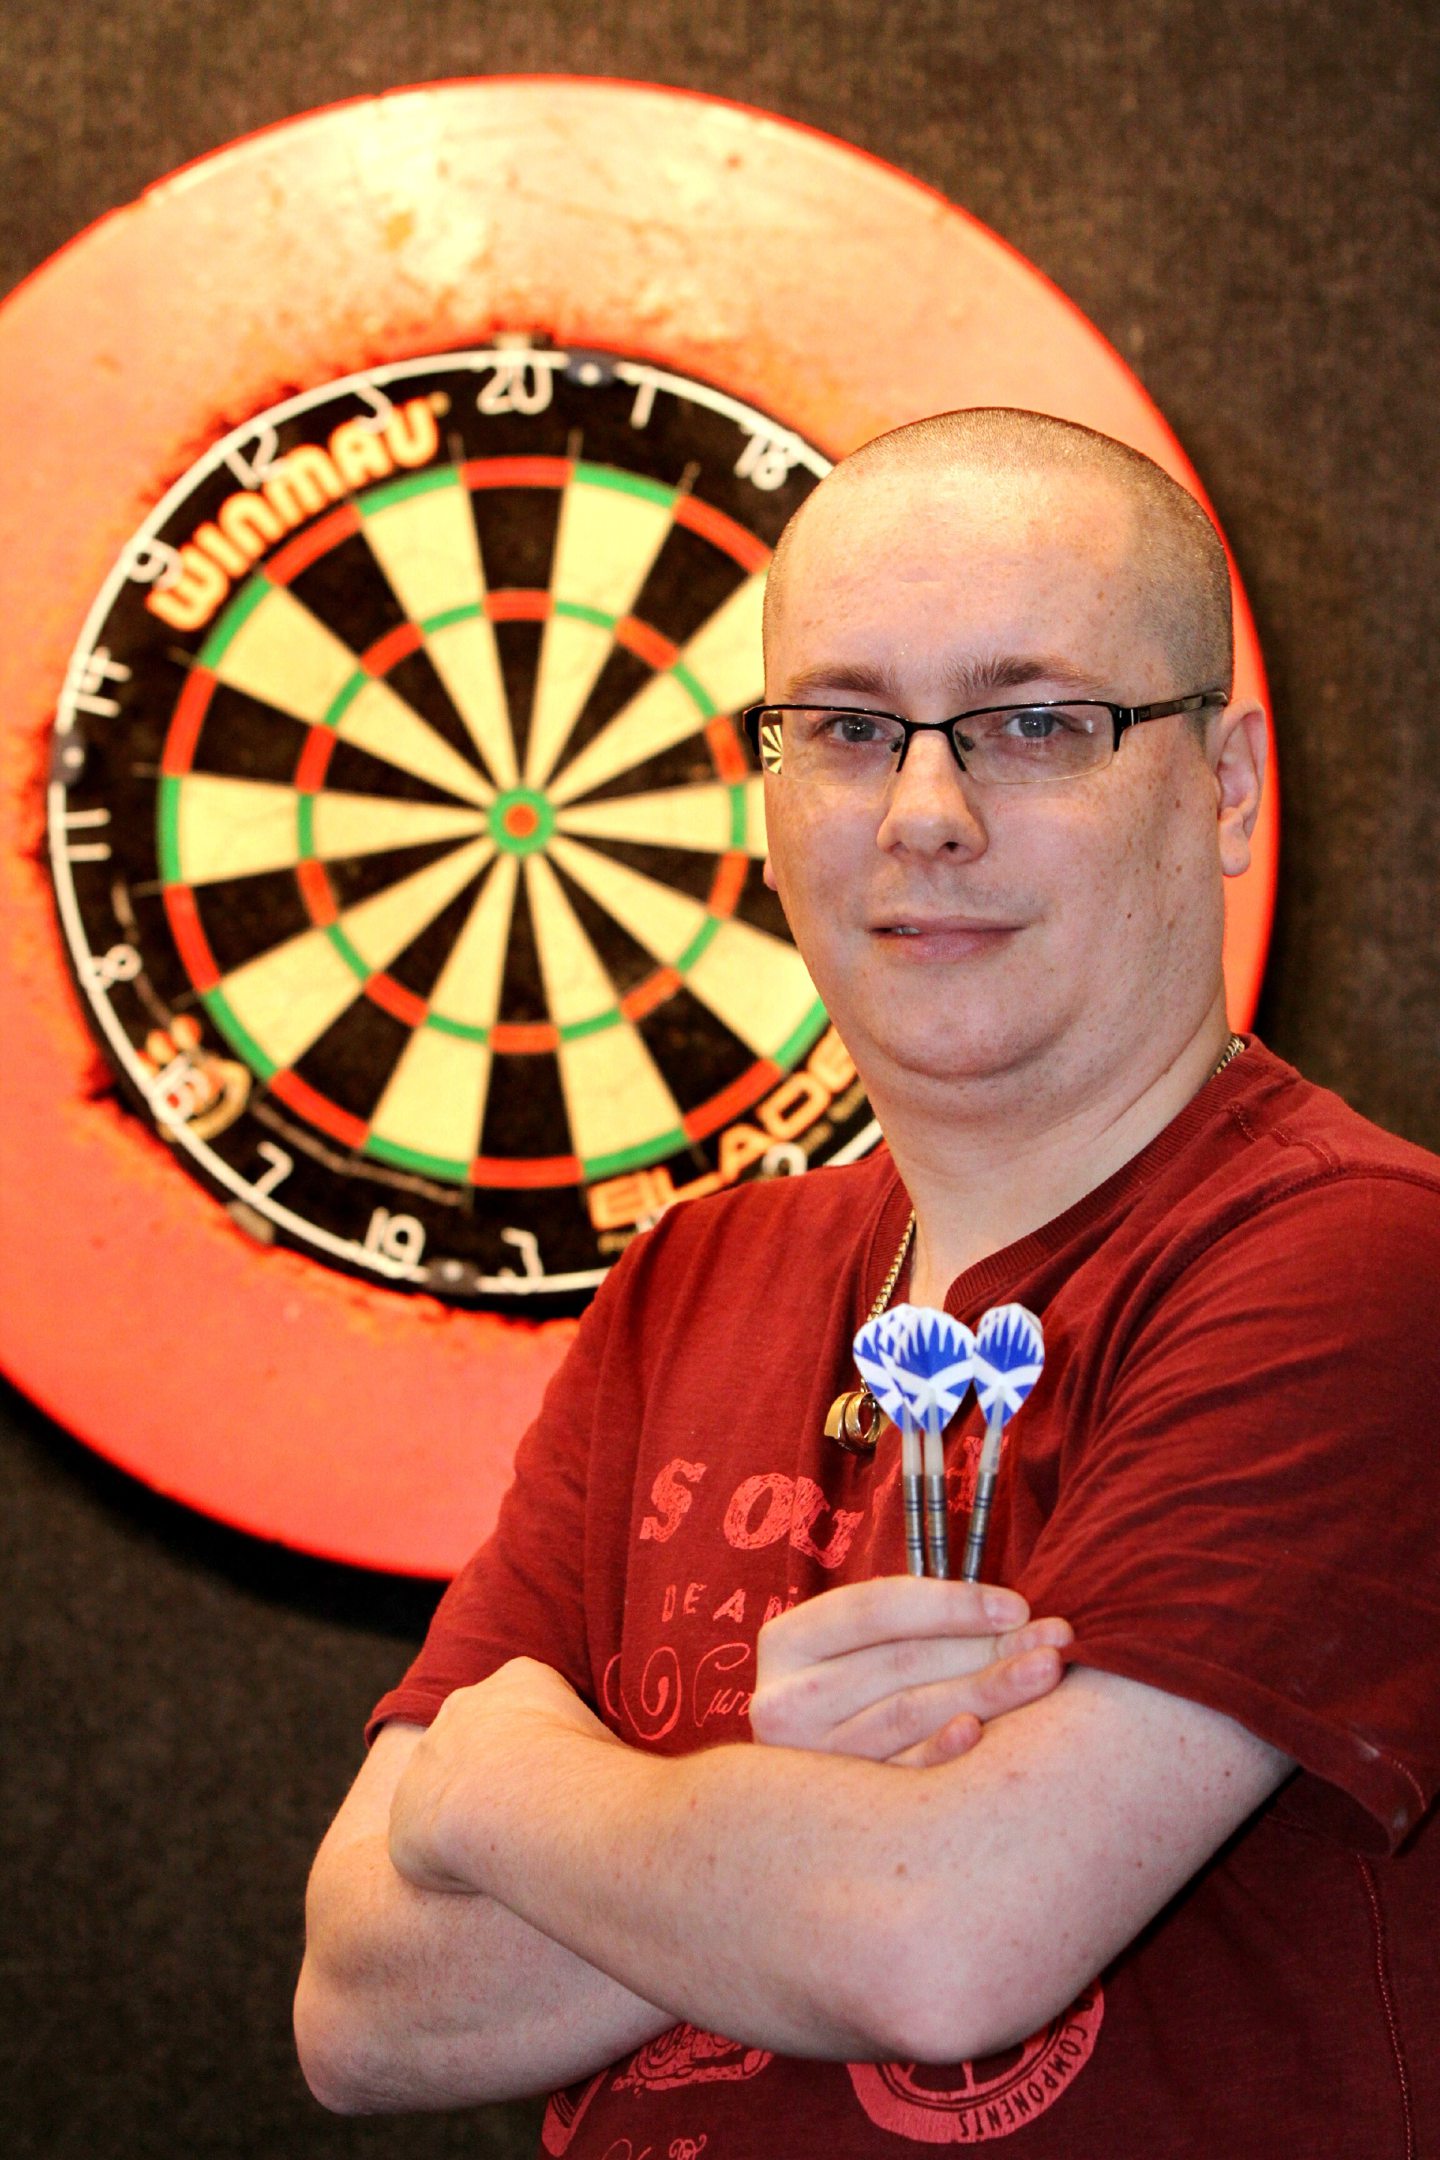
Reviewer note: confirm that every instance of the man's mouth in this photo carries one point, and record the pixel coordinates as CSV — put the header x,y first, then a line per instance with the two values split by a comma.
x,y
946,936
941,925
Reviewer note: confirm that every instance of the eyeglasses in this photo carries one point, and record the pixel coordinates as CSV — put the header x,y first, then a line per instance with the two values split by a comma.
x,y
997,746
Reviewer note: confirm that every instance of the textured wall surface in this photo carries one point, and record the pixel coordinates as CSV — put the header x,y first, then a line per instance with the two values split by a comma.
x,y
1244,200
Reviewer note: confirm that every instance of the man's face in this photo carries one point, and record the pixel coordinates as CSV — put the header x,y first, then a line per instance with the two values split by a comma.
x,y
956,931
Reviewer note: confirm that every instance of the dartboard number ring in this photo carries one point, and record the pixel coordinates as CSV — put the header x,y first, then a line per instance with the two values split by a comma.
x,y
406,851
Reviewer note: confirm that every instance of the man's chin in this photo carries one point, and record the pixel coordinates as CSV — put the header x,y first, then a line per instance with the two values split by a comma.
x,y
952,1059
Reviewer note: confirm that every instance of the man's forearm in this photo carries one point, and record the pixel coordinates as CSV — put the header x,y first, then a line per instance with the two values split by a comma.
x,y
702,1876
415,1999
824,1906
411,1999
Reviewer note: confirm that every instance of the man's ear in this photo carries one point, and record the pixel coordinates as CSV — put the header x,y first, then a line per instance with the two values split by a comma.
x,y
770,875
1237,749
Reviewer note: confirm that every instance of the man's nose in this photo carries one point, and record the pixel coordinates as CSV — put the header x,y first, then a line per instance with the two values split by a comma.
x,y
931,805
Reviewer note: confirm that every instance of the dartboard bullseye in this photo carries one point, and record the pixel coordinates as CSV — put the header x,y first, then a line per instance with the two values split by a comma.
x,y
405,847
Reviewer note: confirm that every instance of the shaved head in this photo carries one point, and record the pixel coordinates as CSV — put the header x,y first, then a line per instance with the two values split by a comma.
x,y
1176,557
1046,940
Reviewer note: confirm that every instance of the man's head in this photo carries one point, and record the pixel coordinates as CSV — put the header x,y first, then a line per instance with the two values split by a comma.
x,y
1179,559
958,930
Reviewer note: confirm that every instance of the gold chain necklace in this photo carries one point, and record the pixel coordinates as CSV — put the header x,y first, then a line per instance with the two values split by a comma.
x,y
854,1419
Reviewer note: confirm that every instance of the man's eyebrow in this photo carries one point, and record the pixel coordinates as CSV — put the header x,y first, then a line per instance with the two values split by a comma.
x,y
861,680
969,682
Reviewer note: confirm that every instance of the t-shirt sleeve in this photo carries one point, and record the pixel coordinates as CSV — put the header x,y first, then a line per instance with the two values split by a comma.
x,y
1252,1523
523,1593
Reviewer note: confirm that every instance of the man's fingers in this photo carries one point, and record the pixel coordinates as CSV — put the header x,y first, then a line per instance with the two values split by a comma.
x,y
954,1739
887,1729
897,1723
1017,1680
888,1608
801,1708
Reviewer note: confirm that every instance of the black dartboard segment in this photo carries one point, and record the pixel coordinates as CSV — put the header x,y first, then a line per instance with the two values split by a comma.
x,y
404,842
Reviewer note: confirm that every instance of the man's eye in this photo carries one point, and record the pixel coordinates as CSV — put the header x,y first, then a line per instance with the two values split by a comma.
x,y
1036,724
854,729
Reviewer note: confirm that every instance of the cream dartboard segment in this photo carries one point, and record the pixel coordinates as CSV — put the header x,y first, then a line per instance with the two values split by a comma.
x,y
422,907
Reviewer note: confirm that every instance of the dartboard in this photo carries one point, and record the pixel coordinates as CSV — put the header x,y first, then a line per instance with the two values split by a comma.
x,y
406,846
383,940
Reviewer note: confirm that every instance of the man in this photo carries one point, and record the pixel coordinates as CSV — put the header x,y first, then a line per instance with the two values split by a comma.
x,y
1181,1900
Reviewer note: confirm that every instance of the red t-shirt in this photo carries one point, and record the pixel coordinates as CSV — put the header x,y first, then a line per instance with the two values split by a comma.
x,y
1226,1478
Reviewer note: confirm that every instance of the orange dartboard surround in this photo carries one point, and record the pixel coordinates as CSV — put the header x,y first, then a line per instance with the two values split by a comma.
x,y
383,934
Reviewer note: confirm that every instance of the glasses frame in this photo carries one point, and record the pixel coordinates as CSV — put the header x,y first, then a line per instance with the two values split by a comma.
x,y
1122,718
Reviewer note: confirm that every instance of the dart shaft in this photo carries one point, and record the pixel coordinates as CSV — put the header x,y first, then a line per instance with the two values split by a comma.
x,y
979,1524
914,1527
989,1465
986,1474
937,1525
914,1509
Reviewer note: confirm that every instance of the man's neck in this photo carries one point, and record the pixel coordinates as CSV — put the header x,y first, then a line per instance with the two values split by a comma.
x,y
992,1165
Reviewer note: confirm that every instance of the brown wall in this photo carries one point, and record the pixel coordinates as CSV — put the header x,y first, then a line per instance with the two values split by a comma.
x,y
1244,199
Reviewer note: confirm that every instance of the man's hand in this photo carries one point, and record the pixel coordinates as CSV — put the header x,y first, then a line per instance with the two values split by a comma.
x,y
900,1669
463,1753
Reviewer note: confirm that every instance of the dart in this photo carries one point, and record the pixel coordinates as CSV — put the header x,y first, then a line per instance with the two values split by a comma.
x,y
934,1357
1009,1358
878,1366
918,1364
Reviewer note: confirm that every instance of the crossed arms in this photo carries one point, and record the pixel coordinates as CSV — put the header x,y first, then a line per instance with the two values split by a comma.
x,y
939,1843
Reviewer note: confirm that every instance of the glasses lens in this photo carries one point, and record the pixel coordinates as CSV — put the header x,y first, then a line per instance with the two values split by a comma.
x,y
829,743
1035,743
